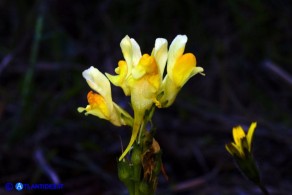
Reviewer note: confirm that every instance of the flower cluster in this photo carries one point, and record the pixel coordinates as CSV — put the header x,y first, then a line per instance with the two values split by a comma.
x,y
142,78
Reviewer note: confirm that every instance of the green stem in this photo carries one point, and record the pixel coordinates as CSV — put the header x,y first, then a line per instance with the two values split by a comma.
x,y
137,192
131,189
147,118
140,132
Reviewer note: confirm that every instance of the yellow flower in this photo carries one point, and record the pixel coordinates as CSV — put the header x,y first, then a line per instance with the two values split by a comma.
x,y
141,77
241,150
100,101
242,145
180,68
144,84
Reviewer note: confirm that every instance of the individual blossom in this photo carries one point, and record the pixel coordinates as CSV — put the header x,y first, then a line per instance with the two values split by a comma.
x,y
100,102
241,150
242,145
180,68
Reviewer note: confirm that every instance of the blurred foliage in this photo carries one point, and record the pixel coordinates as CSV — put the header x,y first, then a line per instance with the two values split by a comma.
x,y
233,40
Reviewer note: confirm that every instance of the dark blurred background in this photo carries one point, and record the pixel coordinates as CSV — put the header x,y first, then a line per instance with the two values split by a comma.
x,y
244,47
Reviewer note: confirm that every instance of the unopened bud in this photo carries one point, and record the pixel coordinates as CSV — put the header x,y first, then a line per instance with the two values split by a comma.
x,y
124,170
136,155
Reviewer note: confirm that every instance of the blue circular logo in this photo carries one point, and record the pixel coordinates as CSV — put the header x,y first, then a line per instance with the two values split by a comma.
x,y
9,186
19,186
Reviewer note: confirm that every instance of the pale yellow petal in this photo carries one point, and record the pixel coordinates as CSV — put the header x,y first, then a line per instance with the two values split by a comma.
x,y
160,54
81,109
131,52
136,52
126,46
98,82
197,70
176,50
120,79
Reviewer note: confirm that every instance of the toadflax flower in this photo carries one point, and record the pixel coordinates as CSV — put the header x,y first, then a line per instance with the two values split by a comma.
x,y
140,76
100,101
180,68
242,145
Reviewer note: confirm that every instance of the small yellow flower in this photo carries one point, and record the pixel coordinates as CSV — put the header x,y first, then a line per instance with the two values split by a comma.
x,y
242,145
241,150
180,68
100,101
